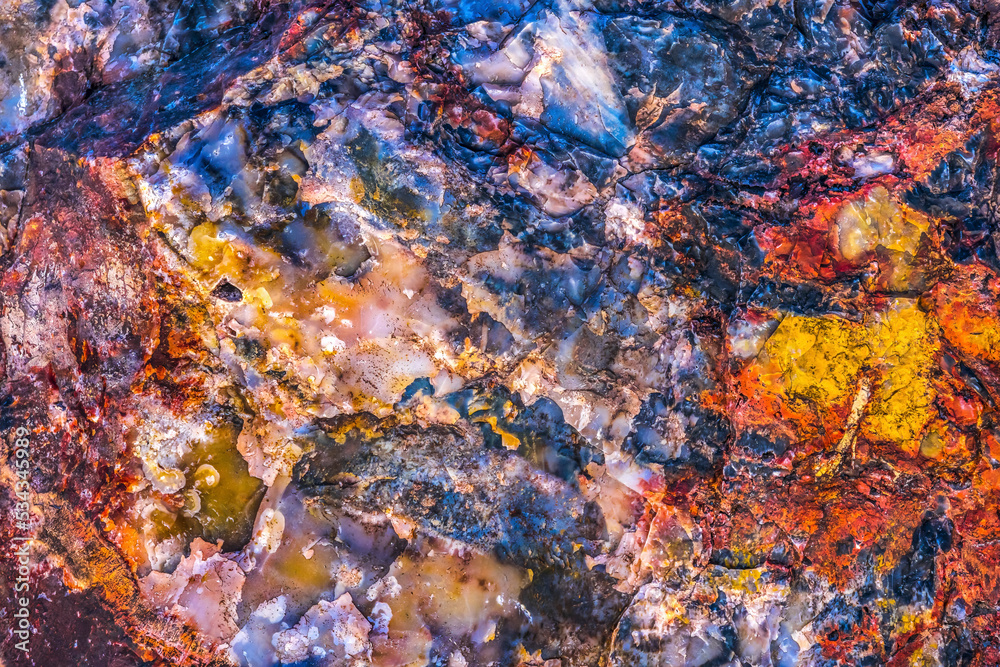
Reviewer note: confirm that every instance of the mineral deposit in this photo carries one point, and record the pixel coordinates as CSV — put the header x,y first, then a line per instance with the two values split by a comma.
x,y
548,333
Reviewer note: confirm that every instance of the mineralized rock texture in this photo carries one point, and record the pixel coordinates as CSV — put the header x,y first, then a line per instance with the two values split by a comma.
x,y
619,333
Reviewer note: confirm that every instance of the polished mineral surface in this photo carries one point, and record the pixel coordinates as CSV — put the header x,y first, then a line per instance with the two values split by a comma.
x,y
562,333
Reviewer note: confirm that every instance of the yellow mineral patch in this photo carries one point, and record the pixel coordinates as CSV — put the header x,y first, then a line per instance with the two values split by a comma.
x,y
509,440
215,498
217,257
914,620
816,358
810,371
877,222
206,475
905,342
857,232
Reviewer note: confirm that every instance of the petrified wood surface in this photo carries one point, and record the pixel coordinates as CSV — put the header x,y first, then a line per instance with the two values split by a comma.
x,y
552,334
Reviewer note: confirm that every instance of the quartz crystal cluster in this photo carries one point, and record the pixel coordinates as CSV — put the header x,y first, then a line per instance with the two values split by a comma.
x,y
524,333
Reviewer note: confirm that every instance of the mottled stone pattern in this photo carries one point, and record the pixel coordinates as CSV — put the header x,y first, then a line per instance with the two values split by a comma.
x,y
551,333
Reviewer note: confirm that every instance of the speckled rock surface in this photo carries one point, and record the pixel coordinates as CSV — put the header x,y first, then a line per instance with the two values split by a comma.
x,y
538,334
